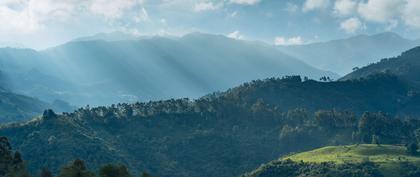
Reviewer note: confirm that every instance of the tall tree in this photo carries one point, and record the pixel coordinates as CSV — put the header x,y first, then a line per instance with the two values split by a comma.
x,y
114,171
76,169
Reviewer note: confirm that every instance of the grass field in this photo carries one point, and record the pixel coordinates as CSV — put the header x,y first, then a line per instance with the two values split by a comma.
x,y
388,157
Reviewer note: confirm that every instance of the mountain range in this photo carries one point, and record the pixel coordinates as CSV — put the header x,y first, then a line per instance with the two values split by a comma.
x,y
404,66
102,72
343,55
218,134
227,133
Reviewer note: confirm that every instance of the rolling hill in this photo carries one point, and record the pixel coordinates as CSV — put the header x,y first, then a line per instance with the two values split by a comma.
x,y
341,56
389,160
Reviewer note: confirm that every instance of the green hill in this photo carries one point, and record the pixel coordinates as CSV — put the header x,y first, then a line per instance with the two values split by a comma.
x,y
388,160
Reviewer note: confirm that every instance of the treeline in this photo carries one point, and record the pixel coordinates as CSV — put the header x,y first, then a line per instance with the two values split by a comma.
x,y
12,165
289,168
332,127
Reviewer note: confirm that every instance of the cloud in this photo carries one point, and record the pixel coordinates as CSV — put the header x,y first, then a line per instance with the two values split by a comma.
x,y
411,13
288,41
351,25
235,35
245,2
310,5
206,6
31,15
143,16
345,7
380,10
111,9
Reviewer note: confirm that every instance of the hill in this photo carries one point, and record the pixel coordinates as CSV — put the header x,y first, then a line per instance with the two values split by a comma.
x,y
102,72
222,134
15,107
389,160
341,56
404,66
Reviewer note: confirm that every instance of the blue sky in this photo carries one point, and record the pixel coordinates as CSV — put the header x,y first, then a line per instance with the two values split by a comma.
x,y
44,23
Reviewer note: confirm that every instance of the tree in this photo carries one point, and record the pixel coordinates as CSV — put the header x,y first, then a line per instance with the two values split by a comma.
x,y
11,163
412,148
45,172
375,140
114,171
76,169
145,174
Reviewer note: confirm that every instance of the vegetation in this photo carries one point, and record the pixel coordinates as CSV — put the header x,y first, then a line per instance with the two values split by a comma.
x,y
288,168
14,166
250,124
352,160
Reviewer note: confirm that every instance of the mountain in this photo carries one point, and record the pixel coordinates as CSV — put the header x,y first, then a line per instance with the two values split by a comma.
x,y
102,72
341,56
112,36
405,66
334,161
15,107
221,134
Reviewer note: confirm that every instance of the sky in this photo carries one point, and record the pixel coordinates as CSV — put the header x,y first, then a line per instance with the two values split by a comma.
x,y
40,24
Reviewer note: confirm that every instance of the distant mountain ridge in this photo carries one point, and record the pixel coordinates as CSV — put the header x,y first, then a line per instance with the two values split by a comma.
x,y
341,56
101,72
405,66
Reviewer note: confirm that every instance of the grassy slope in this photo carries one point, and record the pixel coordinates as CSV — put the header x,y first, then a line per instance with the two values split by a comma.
x,y
388,157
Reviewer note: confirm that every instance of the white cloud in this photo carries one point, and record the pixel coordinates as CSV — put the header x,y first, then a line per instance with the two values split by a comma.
x,y
345,7
111,9
31,15
245,2
380,10
143,16
206,6
351,25
411,13
235,35
310,5
288,41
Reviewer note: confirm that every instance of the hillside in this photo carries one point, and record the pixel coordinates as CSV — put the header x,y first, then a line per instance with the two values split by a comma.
x,y
382,92
404,66
341,56
250,124
389,160
15,107
102,72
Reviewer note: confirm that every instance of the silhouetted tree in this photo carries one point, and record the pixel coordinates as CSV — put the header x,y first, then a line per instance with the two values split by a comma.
x,y
412,148
76,169
114,171
45,172
145,174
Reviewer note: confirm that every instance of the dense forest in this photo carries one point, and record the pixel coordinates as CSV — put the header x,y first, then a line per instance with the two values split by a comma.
x,y
222,134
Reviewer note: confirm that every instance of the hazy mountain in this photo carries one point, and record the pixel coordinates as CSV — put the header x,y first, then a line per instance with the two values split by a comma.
x,y
113,36
15,107
405,66
341,56
100,72
223,134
